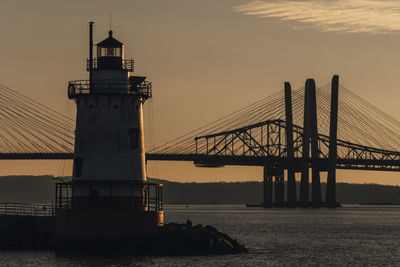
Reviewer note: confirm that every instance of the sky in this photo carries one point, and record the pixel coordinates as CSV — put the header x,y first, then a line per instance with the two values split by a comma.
x,y
206,59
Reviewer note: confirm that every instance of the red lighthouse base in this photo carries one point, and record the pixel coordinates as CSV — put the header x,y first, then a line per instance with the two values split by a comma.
x,y
101,221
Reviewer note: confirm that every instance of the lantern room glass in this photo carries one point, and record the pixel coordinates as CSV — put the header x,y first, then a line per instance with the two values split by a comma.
x,y
110,51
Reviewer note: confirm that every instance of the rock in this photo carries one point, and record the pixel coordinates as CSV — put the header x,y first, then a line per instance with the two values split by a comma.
x,y
197,240
210,228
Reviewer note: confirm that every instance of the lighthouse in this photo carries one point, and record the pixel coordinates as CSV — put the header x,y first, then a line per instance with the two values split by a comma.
x,y
109,197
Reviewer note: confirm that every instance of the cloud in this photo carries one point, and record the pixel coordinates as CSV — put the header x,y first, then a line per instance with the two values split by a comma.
x,y
350,16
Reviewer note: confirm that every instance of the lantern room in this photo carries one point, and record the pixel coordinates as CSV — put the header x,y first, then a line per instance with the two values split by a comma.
x,y
110,53
110,47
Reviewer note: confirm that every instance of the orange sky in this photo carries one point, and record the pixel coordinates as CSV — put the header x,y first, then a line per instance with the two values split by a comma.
x,y
206,58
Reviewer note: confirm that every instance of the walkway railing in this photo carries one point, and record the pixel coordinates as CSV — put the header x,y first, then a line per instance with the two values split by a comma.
x,y
19,209
142,195
84,87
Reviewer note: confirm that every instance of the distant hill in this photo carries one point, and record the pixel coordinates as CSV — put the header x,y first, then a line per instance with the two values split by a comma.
x,y
41,189
27,189
251,192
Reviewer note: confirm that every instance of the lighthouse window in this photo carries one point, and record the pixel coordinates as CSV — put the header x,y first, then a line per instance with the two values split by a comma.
x,y
134,137
110,51
78,166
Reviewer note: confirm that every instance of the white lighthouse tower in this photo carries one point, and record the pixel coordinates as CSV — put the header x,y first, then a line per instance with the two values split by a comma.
x,y
109,197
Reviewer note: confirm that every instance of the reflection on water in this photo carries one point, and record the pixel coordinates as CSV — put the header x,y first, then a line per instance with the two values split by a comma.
x,y
352,235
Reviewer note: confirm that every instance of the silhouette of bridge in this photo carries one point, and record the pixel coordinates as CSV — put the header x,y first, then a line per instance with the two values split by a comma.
x,y
312,128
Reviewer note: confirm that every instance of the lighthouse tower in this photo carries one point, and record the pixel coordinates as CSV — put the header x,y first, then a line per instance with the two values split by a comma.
x,y
109,197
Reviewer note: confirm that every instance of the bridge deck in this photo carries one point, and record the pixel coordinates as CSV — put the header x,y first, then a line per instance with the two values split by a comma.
x,y
284,162
221,160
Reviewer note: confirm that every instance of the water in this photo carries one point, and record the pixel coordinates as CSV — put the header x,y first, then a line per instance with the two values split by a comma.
x,y
352,235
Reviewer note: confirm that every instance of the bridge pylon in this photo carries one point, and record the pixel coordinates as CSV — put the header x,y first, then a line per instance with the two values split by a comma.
x,y
316,181
291,181
331,181
305,182
310,137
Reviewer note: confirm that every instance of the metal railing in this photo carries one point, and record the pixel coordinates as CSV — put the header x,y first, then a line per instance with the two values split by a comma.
x,y
145,89
80,87
63,196
156,200
20,209
151,197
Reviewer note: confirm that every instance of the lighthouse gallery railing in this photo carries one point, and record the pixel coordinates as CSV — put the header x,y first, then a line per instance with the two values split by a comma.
x,y
150,200
80,87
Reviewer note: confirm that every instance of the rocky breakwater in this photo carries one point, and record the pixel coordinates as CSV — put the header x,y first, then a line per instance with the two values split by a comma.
x,y
184,239
37,233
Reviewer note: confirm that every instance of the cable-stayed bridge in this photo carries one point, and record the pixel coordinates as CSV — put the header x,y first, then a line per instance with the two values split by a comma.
x,y
367,138
319,128
30,130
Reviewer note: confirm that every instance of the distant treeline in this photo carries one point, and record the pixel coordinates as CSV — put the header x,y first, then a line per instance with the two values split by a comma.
x,y
251,192
41,189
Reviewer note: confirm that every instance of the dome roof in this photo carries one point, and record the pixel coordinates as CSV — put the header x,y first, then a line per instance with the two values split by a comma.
x,y
110,41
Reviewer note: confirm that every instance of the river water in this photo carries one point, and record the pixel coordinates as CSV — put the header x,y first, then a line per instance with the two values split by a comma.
x,y
352,235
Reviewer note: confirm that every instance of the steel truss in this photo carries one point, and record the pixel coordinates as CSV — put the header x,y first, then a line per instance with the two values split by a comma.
x,y
267,139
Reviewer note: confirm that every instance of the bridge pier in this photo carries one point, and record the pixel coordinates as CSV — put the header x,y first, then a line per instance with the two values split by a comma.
x,y
274,187
279,188
267,187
